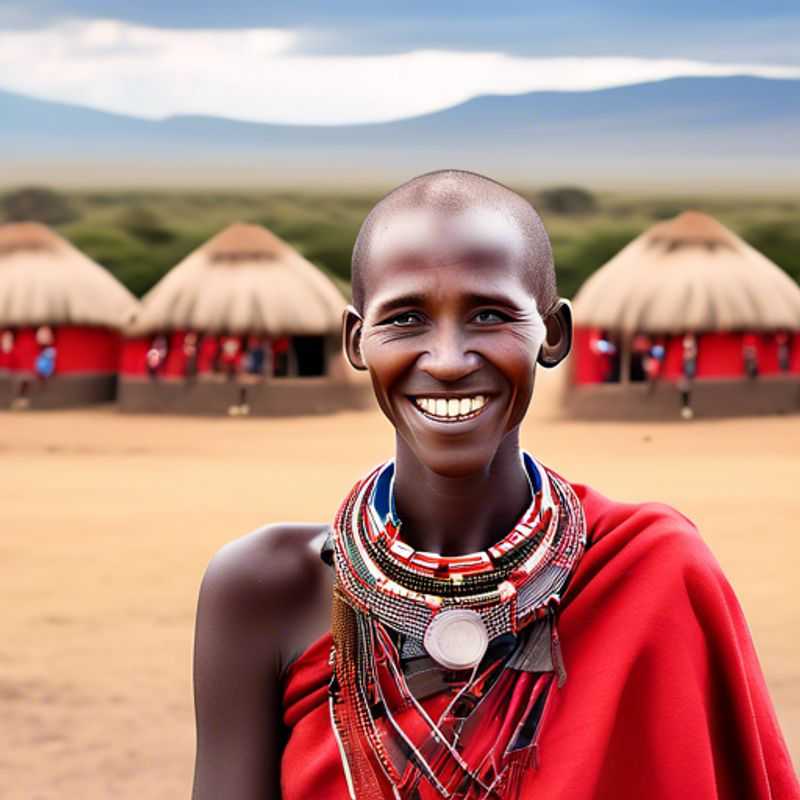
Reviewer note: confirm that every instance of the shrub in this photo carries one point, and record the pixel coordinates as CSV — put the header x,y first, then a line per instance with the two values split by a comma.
x,y
38,204
142,223
567,200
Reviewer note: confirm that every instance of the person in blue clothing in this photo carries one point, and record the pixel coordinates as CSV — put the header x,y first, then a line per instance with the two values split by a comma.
x,y
46,363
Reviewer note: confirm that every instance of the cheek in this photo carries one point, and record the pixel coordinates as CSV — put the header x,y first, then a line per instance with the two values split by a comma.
x,y
515,353
388,362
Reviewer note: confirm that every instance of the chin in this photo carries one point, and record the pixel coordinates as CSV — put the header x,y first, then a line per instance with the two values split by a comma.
x,y
454,459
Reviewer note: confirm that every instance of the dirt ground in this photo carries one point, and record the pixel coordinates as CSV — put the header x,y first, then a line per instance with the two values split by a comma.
x,y
107,523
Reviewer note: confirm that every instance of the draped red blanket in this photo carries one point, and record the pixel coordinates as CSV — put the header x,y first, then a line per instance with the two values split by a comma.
x,y
664,698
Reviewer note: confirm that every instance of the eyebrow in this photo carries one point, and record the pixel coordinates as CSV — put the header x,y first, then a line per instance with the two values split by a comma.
x,y
401,301
475,299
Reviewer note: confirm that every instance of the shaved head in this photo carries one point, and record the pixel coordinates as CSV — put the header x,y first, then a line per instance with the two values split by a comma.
x,y
458,193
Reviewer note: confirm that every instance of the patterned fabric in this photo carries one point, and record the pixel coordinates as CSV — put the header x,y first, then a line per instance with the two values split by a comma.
x,y
386,596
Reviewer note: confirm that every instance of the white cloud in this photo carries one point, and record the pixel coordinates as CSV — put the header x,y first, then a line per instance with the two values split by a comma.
x,y
254,74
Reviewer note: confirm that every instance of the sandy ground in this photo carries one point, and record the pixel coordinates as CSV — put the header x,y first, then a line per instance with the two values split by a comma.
x,y
107,522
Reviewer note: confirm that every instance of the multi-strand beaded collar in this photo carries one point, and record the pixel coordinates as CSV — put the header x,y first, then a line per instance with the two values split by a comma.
x,y
468,617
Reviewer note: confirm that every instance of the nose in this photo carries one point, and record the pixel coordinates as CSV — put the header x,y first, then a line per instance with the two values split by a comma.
x,y
446,358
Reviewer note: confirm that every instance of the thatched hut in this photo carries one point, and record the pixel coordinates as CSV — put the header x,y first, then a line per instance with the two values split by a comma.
x,y
60,316
244,324
687,308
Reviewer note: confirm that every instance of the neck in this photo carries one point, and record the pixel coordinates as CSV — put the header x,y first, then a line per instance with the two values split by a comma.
x,y
457,515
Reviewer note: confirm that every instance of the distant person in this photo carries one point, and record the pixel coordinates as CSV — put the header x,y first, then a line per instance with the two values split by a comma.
x,y
280,356
7,360
156,356
640,353
470,624
607,352
750,355
654,362
783,343
255,356
208,354
46,363
190,355
231,355
688,373
44,336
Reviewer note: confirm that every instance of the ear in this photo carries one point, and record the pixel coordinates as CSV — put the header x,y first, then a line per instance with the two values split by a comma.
x,y
558,340
352,325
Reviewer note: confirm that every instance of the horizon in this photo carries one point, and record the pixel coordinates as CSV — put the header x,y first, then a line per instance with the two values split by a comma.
x,y
302,62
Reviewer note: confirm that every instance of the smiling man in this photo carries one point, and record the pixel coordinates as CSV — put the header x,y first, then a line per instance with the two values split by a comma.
x,y
487,629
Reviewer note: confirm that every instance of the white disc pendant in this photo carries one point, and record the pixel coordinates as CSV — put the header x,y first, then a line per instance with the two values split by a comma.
x,y
456,638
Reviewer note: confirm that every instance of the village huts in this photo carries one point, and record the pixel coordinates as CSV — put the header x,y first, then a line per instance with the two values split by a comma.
x,y
686,319
243,325
60,316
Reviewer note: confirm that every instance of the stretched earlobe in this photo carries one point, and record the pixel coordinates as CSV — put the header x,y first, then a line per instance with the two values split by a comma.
x,y
352,326
558,340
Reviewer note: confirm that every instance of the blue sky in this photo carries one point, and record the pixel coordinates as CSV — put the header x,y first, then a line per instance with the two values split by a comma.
x,y
737,30
333,61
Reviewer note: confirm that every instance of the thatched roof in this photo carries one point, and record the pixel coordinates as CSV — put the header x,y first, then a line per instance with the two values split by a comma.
x,y
44,280
688,274
244,280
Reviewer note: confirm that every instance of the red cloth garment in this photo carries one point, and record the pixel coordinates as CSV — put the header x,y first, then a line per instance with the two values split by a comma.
x,y
665,697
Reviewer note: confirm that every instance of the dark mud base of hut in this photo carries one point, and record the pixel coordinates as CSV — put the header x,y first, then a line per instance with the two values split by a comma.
x,y
709,399
60,391
283,397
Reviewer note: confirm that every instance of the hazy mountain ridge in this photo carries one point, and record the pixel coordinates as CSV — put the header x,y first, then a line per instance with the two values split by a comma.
x,y
748,125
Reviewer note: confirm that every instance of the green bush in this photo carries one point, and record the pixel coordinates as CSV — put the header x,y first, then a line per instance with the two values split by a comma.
x,y
146,226
38,204
566,200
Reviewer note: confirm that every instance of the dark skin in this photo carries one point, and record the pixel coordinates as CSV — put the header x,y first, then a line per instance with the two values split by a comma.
x,y
446,314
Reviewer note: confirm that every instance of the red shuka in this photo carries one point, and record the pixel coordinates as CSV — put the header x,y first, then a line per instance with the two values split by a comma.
x,y
664,699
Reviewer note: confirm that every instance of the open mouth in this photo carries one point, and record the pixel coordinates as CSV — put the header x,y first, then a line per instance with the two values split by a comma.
x,y
451,409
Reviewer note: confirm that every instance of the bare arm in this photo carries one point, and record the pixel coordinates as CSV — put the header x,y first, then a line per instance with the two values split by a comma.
x,y
250,619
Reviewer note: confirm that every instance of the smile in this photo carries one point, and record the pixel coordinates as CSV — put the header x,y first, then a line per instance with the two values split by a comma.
x,y
451,409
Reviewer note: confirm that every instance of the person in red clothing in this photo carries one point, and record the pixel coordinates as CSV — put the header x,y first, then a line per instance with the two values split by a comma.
x,y
471,624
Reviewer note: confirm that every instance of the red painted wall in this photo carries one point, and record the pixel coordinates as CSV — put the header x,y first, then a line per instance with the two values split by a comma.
x,y
134,353
590,367
719,356
79,350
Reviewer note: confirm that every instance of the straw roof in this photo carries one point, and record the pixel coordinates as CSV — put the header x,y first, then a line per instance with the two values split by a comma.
x,y
44,280
688,274
244,280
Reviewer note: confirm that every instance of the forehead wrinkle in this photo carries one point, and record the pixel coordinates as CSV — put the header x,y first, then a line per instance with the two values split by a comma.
x,y
466,285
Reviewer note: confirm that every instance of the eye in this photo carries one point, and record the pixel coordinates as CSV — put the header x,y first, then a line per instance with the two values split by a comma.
x,y
406,319
490,317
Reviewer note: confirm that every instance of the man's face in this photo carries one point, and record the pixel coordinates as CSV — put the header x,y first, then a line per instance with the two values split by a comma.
x,y
451,332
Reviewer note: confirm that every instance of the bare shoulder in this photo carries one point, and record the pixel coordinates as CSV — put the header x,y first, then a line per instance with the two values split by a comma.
x,y
263,597
274,580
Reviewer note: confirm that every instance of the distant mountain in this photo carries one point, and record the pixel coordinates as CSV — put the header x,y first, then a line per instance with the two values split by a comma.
x,y
688,131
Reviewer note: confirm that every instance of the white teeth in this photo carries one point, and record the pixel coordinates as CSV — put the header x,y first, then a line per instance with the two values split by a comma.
x,y
453,407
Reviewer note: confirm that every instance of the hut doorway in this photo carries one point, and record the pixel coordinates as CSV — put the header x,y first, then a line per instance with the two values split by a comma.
x,y
309,355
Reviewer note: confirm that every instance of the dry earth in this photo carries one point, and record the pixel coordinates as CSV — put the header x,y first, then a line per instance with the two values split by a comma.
x,y
107,522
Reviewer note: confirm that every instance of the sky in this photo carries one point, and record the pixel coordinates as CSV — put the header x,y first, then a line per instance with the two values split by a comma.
x,y
322,62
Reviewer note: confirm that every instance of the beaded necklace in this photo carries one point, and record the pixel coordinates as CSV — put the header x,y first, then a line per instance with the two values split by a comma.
x,y
477,623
